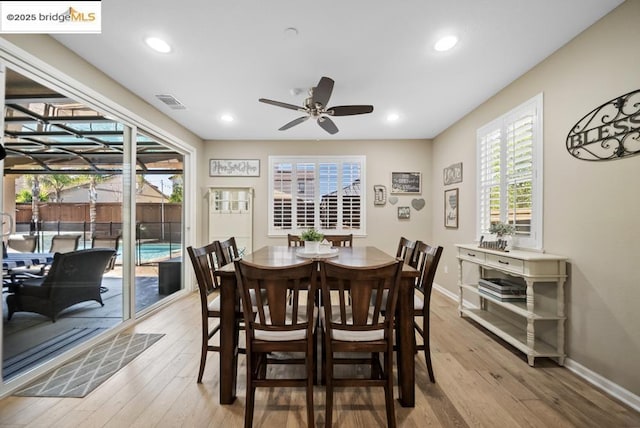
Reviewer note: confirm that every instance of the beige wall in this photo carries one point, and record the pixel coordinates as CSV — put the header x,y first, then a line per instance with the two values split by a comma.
x,y
591,209
383,157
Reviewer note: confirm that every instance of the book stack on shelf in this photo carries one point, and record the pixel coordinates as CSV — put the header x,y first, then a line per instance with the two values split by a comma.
x,y
503,289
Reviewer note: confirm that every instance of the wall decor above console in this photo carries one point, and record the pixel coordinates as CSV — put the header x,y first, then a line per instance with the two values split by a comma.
x,y
611,131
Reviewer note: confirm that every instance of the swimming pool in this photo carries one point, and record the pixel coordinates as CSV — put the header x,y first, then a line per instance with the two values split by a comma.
x,y
153,251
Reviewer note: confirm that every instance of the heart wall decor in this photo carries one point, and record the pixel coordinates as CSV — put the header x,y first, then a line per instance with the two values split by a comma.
x,y
418,204
393,200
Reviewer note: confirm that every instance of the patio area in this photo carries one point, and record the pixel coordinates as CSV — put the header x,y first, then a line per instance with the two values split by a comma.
x,y
31,339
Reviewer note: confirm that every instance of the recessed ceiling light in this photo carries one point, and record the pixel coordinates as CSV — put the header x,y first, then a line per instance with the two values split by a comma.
x,y
157,44
226,118
446,43
392,117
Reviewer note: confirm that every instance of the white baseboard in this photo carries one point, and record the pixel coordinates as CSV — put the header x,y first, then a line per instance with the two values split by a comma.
x,y
590,376
442,290
613,389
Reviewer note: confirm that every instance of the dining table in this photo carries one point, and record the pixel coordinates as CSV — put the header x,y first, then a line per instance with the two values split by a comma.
x,y
278,256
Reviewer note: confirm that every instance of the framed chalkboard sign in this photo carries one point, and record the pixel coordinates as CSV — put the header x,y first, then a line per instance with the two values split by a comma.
x,y
406,182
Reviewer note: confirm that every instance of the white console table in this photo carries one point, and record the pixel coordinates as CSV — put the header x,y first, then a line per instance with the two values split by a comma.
x,y
537,269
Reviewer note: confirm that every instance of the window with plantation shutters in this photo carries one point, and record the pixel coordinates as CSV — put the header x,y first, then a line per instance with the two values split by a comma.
x,y
322,192
510,173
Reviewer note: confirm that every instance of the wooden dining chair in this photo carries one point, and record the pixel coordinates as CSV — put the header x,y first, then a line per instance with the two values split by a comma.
x,y
425,259
283,322
294,241
203,260
340,240
227,251
354,323
405,249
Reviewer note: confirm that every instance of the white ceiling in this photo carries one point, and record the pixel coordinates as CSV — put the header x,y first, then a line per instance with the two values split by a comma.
x,y
228,53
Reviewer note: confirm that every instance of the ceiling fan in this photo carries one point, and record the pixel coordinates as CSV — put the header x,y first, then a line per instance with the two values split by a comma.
x,y
315,106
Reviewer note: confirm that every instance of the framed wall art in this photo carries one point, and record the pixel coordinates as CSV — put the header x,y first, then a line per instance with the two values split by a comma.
x,y
452,174
404,213
451,208
406,182
234,167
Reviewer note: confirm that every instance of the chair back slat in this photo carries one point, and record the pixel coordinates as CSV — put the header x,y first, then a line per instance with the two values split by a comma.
x,y
227,251
405,249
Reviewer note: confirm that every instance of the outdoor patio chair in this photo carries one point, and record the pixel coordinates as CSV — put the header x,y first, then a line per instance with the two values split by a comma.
x,y
107,241
23,244
64,243
73,278
59,244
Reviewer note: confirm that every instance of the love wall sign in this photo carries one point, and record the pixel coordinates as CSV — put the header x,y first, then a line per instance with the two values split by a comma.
x,y
611,131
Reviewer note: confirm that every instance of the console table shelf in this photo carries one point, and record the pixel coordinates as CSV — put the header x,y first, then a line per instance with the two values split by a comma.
x,y
539,269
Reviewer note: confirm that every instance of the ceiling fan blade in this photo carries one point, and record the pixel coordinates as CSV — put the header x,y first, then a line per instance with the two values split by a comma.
x,y
327,124
322,92
293,123
349,110
281,104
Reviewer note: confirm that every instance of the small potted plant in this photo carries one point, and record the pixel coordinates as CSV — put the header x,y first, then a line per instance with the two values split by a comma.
x,y
311,238
503,231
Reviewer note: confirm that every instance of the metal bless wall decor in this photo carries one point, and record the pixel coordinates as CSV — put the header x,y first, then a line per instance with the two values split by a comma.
x,y
234,167
452,174
611,131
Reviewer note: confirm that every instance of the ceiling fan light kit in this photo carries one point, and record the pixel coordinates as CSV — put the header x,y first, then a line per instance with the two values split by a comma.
x,y
315,107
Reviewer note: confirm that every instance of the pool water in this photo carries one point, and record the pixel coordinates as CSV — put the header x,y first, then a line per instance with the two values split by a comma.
x,y
149,252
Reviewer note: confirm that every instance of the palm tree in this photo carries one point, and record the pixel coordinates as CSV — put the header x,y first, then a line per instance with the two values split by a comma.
x,y
34,195
93,180
57,183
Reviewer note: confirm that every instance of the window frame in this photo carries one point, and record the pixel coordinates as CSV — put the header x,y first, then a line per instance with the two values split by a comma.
x,y
534,106
316,160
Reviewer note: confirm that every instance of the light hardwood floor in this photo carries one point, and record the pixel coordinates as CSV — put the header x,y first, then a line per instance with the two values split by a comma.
x,y
480,383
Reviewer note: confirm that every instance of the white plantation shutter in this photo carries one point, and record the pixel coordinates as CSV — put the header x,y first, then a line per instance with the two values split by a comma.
x,y
489,153
351,196
281,197
509,185
304,195
323,193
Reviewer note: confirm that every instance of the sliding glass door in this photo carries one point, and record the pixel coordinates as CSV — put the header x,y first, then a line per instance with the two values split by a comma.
x,y
68,173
